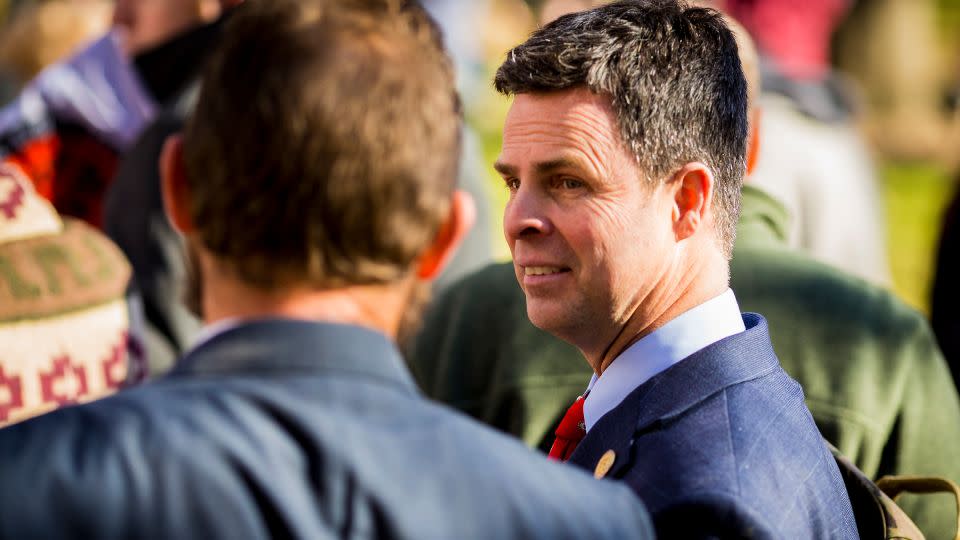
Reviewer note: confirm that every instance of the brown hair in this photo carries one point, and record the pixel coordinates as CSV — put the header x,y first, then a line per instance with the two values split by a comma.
x,y
325,142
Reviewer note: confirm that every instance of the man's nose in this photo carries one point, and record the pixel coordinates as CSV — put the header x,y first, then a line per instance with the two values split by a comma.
x,y
525,216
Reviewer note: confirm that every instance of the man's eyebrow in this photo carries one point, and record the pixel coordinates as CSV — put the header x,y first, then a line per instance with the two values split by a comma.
x,y
544,167
505,169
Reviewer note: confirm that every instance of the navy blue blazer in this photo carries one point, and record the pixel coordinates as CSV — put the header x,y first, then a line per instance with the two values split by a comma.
x,y
722,444
291,429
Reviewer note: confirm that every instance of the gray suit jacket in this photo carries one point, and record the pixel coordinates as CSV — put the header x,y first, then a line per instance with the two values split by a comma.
x,y
284,428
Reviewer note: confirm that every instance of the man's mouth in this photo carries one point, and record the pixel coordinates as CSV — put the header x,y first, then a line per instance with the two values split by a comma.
x,y
542,270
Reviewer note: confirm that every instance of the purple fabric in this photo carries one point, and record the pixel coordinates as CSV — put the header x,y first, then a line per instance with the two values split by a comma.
x,y
96,89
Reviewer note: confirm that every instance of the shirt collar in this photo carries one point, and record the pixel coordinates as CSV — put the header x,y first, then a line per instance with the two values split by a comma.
x,y
210,331
686,334
281,345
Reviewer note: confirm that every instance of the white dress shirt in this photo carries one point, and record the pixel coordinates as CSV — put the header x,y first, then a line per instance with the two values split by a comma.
x,y
686,334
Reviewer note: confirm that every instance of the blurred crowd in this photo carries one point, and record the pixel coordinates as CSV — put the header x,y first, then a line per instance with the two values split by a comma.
x,y
848,240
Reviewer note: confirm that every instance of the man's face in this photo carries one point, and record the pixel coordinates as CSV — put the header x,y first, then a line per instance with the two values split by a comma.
x,y
590,238
148,23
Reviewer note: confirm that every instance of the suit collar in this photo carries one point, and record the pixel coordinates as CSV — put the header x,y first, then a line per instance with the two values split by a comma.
x,y
656,352
730,361
275,346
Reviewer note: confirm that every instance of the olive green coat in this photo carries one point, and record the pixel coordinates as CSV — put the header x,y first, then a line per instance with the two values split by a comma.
x,y
875,381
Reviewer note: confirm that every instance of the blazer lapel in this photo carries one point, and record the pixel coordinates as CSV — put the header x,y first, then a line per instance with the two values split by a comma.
x,y
730,361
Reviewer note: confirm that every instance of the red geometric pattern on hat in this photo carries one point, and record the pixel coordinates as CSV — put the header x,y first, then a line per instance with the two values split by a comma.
x,y
65,384
12,195
114,365
11,395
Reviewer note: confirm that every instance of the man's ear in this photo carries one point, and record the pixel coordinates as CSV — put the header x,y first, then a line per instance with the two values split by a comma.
x,y
209,9
753,139
462,215
174,185
693,195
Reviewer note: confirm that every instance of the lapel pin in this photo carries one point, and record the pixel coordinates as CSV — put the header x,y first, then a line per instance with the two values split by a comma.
x,y
605,464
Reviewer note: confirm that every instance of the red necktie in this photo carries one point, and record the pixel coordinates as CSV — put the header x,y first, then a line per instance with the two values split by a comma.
x,y
569,433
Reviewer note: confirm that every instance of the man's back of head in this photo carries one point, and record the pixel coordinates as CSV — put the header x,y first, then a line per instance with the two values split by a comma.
x,y
328,132
340,170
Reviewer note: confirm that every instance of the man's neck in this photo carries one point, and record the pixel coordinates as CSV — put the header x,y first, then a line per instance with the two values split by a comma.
x,y
682,291
378,307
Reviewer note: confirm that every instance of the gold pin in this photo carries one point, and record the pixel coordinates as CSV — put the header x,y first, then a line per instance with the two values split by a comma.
x,y
605,464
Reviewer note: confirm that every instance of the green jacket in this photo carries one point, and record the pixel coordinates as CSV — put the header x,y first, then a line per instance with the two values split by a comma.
x,y
875,381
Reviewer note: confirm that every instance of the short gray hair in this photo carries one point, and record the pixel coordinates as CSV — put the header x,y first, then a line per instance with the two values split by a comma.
x,y
674,78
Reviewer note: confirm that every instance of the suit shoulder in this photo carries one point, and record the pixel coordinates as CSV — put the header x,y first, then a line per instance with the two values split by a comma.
x,y
733,462
758,428
528,491
138,460
106,426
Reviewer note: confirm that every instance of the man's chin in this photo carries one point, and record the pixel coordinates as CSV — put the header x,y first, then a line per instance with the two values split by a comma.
x,y
549,318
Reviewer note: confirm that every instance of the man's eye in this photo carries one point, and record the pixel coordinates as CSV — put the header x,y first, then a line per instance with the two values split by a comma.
x,y
571,183
512,184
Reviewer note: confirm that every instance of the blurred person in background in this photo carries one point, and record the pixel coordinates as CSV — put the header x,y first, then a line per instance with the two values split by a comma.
x,y
316,216
813,157
873,377
69,125
72,123
903,55
144,24
66,125
68,332
133,210
39,34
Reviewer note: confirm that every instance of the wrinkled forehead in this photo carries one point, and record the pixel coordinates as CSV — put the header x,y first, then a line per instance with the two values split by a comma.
x,y
575,121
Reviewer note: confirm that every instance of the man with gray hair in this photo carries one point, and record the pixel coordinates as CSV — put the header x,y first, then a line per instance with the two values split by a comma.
x,y
624,153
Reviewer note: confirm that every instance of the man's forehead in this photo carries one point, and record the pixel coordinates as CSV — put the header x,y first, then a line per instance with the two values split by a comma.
x,y
576,118
565,105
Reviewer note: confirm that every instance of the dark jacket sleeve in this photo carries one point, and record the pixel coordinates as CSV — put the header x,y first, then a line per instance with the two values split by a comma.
x,y
710,515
